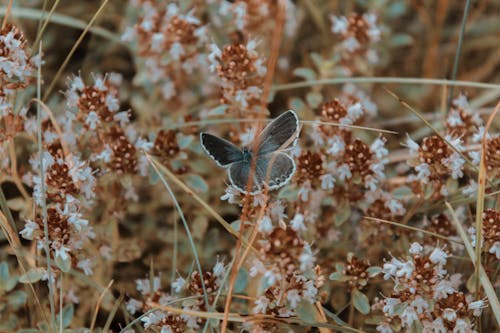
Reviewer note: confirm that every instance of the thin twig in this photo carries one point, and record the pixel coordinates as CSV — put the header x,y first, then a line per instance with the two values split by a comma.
x,y
481,183
398,80
488,287
7,13
73,49
43,191
98,305
186,227
457,53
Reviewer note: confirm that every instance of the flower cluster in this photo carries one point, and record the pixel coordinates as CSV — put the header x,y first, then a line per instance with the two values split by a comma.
x,y
287,273
257,17
170,44
16,73
153,297
425,295
241,72
357,35
490,234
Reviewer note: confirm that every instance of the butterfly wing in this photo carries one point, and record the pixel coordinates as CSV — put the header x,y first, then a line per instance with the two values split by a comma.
x,y
239,173
222,151
275,170
281,133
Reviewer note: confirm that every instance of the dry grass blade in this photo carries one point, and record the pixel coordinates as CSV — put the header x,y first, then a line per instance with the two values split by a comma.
x,y
73,49
404,226
61,19
190,192
98,305
481,181
386,80
485,281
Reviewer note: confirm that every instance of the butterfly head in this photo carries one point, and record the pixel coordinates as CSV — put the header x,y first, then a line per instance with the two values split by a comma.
x,y
247,154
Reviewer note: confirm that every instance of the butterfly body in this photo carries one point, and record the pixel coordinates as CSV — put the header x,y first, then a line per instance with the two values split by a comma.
x,y
262,163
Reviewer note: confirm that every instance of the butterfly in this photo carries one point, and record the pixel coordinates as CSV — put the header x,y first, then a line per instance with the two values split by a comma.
x,y
273,167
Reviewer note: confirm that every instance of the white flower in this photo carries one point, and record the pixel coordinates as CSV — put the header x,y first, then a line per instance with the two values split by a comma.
x,y
215,54
443,289
133,306
178,284
384,327
477,307
86,266
416,248
344,172
305,190
29,229
166,329
327,181
455,164
297,223
266,225
219,269
339,24
412,145
261,305
419,304
437,326
307,258
408,316
449,314
470,189
495,249
177,51
438,256
230,194
389,306
293,297
423,172
378,148
62,252
143,285
461,326
336,145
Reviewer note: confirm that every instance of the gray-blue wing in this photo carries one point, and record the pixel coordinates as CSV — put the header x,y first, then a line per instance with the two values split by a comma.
x,y
239,174
281,133
275,170
222,151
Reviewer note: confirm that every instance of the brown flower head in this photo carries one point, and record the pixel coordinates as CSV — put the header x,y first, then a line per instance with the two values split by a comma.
x,y
310,168
124,159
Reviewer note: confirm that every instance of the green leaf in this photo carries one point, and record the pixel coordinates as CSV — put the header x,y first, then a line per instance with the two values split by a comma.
x,y
17,299
373,271
196,183
219,110
67,315
402,192
297,104
305,73
342,215
314,99
4,271
63,264
184,140
339,267
337,276
32,276
241,281
335,318
360,302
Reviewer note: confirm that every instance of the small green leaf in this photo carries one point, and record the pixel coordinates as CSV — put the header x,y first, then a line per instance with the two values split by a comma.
x,y
337,276
305,73
360,302
342,215
63,264
4,271
402,192
184,140
373,271
314,99
219,110
67,315
241,281
32,276
297,104
17,299
339,267
196,183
